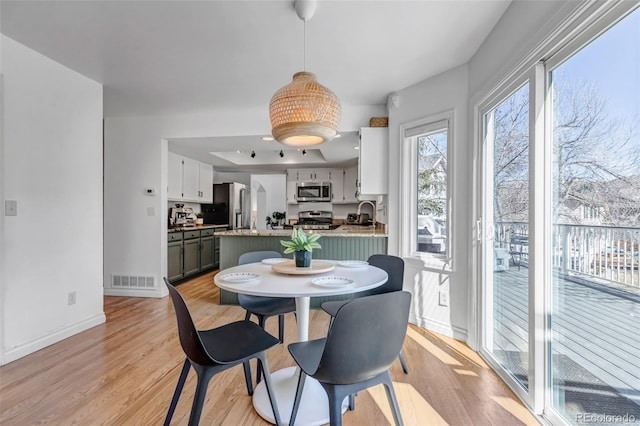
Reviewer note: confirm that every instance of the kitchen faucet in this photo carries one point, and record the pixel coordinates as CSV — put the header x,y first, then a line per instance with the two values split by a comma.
x,y
373,211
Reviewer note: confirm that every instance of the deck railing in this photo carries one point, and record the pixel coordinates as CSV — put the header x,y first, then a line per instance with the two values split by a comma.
x,y
606,253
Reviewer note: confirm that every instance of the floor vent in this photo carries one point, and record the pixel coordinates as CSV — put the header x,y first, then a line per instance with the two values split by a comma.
x,y
127,281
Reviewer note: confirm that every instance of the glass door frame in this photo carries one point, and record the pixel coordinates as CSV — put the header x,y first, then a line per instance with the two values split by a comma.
x,y
485,234
586,23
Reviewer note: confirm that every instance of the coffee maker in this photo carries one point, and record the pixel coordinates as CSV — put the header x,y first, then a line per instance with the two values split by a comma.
x,y
181,216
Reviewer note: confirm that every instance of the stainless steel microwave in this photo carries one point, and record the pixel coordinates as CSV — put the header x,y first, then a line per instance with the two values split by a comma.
x,y
313,191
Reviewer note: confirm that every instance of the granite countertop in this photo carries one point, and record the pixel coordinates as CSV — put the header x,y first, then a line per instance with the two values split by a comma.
x,y
195,228
342,231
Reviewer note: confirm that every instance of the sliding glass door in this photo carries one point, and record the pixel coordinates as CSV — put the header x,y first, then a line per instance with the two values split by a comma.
x,y
506,225
595,288
559,226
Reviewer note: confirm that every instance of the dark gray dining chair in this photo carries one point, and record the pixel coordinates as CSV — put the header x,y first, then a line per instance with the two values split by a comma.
x,y
365,338
264,307
210,352
394,267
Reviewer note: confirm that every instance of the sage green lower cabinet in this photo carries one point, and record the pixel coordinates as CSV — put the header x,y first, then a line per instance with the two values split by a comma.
x,y
206,252
216,252
174,260
190,252
191,256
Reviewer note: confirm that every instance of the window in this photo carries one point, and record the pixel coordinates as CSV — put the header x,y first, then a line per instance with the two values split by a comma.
x,y
432,192
428,147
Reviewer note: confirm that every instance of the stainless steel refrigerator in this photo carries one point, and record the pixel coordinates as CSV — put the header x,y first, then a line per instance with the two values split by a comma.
x,y
231,206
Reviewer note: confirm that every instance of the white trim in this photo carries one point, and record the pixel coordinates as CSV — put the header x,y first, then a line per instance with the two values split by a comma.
x,y
439,327
157,293
538,238
408,185
2,258
51,338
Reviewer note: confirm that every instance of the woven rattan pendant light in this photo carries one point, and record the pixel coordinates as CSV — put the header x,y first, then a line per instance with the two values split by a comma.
x,y
304,112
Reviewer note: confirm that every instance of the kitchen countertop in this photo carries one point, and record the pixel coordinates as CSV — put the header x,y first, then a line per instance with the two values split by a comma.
x,y
342,231
195,228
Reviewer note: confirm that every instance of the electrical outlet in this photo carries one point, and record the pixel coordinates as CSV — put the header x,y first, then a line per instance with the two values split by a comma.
x,y
443,298
71,298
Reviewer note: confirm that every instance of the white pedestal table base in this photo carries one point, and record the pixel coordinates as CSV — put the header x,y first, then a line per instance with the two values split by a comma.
x,y
314,404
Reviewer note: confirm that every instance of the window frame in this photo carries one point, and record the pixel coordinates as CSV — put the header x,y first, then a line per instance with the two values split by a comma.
x,y
409,179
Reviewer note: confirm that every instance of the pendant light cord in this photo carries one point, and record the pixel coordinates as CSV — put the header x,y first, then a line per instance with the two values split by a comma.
x,y
304,65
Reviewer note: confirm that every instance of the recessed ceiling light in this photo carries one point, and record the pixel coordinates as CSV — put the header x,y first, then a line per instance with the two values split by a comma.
x,y
356,147
337,136
267,138
238,151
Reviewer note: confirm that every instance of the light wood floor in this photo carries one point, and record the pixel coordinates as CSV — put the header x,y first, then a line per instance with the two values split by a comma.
x,y
124,372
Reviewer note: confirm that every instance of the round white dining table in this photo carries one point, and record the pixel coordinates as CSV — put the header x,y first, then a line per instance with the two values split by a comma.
x,y
314,406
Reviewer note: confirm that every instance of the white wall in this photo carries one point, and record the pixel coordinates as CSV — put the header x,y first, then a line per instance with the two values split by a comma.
x,y
445,92
52,166
516,35
135,158
275,189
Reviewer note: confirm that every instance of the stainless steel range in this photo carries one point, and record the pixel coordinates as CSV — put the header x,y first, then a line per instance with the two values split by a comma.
x,y
316,219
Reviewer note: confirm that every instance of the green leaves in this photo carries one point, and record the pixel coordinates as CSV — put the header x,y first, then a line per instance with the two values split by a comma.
x,y
301,242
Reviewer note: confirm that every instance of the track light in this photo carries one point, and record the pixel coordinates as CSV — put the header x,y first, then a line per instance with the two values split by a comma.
x,y
281,154
304,152
253,154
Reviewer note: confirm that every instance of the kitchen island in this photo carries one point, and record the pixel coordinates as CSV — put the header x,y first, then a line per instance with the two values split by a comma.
x,y
347,242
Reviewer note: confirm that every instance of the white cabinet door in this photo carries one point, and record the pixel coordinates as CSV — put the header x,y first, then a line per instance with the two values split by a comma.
x,y
373,169
322,175
174,177
206,183
292,175
309,175
350,186
191,180
292,189
336,177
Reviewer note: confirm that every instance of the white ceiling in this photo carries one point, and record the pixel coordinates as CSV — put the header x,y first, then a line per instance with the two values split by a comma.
x,y
181,57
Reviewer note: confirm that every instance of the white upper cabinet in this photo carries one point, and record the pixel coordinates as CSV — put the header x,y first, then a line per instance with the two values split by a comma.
x,y
174,178
309,175
373,166
337,182
189,180
206,183
350,185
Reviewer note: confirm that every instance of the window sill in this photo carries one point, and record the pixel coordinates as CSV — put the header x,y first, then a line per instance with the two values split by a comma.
x,y
431,261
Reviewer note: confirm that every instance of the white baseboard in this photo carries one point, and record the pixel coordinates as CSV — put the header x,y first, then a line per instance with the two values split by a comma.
x,y
42,342
158,293
439,327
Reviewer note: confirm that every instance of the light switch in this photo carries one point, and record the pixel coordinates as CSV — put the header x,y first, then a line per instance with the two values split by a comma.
x,y
151,211
10,208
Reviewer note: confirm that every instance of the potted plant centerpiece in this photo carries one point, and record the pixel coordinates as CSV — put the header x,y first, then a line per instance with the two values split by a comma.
x,y
301,245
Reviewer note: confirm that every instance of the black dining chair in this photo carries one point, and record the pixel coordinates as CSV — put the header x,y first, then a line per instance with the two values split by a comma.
x,y
265,307
365,338
212,351
394,267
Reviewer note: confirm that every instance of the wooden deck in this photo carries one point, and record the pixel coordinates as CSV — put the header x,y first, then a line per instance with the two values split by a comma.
x,y
596,338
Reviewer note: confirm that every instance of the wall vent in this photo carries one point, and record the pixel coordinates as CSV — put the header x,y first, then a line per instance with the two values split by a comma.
x,y
130,281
